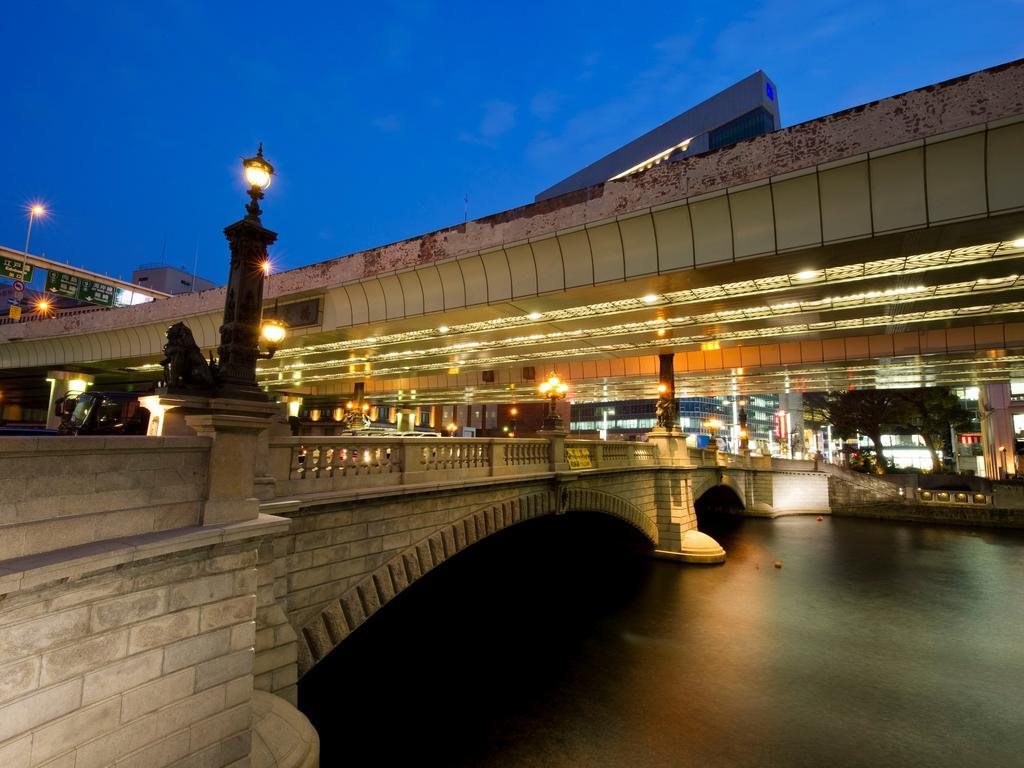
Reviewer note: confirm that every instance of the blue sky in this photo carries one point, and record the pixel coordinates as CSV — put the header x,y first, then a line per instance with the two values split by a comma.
x,y
128,118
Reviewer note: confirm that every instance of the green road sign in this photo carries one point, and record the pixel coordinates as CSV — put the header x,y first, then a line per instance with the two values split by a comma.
x,y
62,284
80,288
97,293
16,270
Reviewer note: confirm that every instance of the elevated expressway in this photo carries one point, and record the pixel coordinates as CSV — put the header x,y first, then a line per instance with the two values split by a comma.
x,y
878,246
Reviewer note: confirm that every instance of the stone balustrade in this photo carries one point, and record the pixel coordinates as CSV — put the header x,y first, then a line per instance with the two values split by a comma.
x,y
301,465
320,464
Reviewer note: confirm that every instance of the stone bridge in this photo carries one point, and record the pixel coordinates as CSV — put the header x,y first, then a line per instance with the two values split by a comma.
x,y
149,602
371,516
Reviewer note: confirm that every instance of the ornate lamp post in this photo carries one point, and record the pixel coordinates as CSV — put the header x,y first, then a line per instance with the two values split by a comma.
x,y
554,389
666,410
243,303
357,414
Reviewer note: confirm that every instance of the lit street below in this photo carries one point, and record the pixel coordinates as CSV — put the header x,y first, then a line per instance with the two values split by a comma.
x,y
876,643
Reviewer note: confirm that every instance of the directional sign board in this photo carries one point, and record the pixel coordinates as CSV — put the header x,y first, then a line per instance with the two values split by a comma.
x,y
80,288
62,284
15,269
97,293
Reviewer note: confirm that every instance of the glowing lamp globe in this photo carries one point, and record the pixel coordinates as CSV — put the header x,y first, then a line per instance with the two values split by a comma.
x,y
258,171
273,332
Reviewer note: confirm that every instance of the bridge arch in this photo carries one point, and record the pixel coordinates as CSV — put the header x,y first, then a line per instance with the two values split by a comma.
x,y
322,634
590,500
721,496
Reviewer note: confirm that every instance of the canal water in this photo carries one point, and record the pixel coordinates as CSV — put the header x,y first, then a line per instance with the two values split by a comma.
x,y
556,643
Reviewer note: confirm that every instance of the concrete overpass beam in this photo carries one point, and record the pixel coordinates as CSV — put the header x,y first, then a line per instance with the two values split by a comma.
x,y
997,434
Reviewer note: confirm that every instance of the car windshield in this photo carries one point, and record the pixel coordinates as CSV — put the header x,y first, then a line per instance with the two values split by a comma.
x,y
81,412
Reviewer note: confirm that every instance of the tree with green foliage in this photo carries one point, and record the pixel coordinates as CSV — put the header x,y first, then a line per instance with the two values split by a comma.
x,y
866,412
932,412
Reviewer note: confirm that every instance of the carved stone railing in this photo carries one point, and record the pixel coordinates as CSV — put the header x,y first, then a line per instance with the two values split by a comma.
x,y
301,465
323,464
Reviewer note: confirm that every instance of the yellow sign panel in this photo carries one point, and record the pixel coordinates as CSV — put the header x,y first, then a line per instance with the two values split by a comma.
x,y
14,313
578,457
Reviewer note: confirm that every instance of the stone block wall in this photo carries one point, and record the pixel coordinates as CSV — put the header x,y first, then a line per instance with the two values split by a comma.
x,y
658,503
796,493
851,490
349,558
340,561
276,647
58,492
148,664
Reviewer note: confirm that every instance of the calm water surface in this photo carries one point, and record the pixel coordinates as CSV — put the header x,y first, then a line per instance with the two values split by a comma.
x,y
557,644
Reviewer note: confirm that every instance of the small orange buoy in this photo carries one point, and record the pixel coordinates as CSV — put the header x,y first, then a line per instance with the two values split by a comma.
x,y
820,518
778,563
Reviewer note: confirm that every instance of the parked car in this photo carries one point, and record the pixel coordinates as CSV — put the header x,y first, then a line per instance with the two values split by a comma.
x,y
103,413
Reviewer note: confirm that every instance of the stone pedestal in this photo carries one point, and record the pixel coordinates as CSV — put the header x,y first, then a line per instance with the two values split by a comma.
x,y
282,737
556,441
237,430
672,449
695,547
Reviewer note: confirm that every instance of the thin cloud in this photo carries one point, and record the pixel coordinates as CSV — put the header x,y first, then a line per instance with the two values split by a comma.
x,y
545,104
499,117
387,123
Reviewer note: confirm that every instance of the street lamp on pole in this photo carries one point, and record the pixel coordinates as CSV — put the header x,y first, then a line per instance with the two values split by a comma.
x,y
243,326
241,330
554,389
35,210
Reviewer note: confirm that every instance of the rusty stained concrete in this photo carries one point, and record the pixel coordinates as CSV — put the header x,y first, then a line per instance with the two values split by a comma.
x,y
963,102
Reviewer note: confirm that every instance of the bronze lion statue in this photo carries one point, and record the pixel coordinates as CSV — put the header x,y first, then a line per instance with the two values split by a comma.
x,y
185,368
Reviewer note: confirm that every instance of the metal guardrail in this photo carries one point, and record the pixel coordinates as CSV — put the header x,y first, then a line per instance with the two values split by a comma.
x,y
53,314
